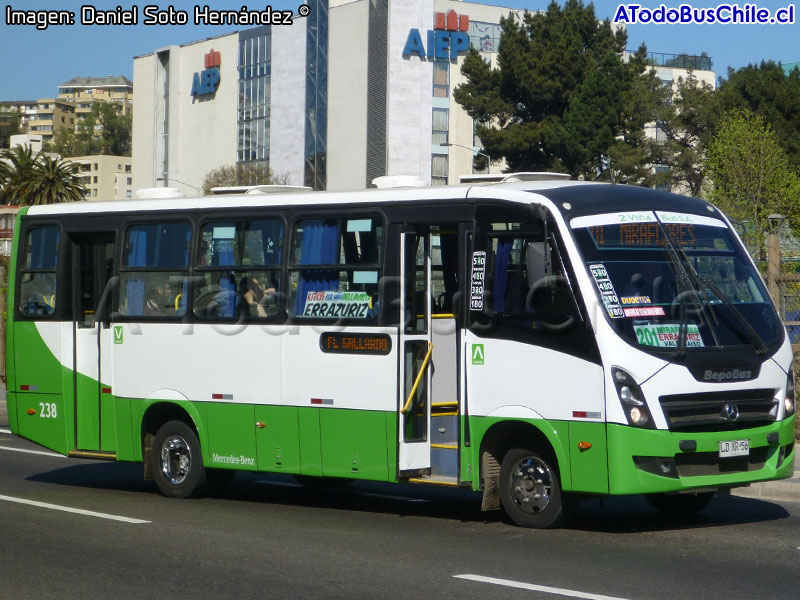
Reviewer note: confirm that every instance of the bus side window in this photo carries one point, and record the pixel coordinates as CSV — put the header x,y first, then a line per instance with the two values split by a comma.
x,y
526,281
336,269
38,280
155,270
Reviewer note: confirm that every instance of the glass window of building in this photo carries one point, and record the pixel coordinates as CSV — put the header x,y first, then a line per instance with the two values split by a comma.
x,y
441,79
441,117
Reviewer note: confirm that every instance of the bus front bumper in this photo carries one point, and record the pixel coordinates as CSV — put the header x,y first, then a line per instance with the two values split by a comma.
x,y
645,461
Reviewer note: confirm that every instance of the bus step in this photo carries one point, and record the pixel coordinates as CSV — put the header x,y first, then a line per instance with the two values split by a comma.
x,y
444,407
444,460
435,480
92,455
444,429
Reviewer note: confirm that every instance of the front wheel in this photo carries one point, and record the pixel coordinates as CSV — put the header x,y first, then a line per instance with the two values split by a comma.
x,y
530,490
680,505
176,461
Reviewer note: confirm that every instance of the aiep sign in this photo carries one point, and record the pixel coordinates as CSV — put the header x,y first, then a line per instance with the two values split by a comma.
x,y
207,81
448,38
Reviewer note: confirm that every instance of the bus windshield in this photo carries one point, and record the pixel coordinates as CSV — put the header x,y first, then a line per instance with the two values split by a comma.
x,y
675,282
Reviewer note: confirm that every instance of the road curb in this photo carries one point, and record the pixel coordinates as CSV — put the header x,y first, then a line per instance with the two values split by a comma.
x,y
785,490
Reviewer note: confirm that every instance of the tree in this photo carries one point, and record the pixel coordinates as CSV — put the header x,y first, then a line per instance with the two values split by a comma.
x,y
103,131
115,129
16,173
9,125
767,90
234,175
26,179
629,157
54,181
686,123
752,176
555,102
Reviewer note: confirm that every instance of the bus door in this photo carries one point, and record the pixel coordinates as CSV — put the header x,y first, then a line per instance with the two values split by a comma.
x,y
92,268
428,432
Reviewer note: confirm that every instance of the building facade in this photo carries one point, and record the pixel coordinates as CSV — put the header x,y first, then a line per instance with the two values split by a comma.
x,y
357,90
51,115
330,102
74,103
105,177
83,92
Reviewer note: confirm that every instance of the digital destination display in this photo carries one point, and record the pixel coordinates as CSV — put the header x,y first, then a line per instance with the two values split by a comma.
x,y
355,343
644,235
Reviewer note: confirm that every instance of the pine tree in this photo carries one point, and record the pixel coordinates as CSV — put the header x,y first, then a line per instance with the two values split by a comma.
x,y
557,99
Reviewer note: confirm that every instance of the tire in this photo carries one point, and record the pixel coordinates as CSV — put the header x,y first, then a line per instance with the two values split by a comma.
x,y
530,489
680,505
177,461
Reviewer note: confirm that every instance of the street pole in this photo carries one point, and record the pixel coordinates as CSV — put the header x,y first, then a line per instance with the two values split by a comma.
x,y
476,152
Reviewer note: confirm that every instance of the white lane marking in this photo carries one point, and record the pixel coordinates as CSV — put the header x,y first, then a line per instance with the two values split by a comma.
x,y
8,431
77,511
536,588
32,452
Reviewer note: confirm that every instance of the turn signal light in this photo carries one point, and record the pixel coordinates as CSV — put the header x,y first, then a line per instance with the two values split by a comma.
x,y
584,445
31,411
260,424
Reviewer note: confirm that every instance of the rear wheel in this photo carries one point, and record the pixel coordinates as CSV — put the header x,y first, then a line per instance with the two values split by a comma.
x,y
680,505
176,461
530,490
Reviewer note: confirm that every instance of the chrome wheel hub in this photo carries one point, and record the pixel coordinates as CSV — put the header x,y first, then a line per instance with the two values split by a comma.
x,y
531,485
176,459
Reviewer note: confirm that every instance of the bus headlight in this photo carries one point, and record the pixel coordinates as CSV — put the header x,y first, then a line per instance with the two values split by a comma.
x,y
632,399
788,401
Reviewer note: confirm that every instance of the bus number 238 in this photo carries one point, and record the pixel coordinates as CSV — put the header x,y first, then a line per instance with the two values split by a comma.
x,y
48,410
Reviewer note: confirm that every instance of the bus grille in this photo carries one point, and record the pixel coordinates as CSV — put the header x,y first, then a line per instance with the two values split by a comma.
x,y
707,411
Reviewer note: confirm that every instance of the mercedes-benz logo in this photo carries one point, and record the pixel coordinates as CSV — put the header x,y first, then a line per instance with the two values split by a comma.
x,y
730,412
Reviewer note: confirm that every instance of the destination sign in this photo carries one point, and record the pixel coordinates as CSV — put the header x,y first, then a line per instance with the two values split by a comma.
x,y
643,235
355,343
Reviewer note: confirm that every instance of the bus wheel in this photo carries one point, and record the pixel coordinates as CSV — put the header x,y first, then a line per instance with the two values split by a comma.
x,y
680,505
176,460
530,490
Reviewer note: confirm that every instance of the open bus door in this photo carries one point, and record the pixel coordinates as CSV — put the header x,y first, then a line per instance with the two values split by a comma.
x,y
429,395
415,346
92,268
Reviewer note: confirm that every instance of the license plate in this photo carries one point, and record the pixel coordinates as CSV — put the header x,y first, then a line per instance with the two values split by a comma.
x,y
734,448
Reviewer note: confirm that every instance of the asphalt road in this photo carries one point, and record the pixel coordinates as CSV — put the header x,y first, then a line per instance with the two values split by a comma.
x,y
268,537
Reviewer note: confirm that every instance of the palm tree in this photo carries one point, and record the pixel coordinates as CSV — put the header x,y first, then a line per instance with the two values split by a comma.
x,y
26,179
16,172
54,181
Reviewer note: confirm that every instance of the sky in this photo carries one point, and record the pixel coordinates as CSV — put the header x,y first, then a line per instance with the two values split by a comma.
x,y
35,62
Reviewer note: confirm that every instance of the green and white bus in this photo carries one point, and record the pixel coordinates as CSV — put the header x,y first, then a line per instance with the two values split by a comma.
x,y
535,340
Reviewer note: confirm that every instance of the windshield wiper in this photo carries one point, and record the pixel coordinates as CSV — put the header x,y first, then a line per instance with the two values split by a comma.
x,y
677,263
758,344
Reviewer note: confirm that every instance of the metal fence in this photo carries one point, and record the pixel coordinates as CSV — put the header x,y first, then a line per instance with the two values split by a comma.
x,y
789,306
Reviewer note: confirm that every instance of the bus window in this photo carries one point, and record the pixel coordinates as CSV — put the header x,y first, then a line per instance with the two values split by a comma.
x,y
526,277
444,270
37,291
335,268
239,265
155,270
